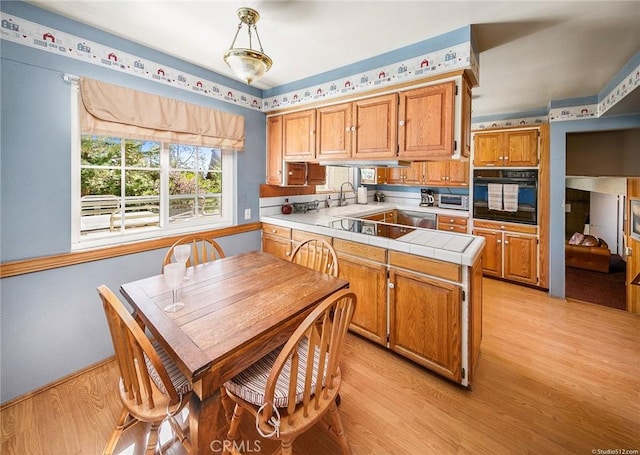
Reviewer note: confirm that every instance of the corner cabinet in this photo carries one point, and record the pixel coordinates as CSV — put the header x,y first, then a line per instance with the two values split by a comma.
x,y
276,240
518,147
426,122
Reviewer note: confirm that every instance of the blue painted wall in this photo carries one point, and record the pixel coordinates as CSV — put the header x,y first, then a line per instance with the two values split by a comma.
x,y
52,322
557,173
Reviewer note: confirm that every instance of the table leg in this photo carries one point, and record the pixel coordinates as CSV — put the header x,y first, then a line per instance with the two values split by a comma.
x,y
204,423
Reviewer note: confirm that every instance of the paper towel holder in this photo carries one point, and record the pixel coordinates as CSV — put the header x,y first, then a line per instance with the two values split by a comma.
x,y
362,195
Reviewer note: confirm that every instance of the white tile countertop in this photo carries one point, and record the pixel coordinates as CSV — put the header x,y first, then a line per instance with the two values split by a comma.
x,y
463,249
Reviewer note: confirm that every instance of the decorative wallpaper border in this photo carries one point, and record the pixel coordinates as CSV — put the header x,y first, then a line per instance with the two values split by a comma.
x,y
520,121
625,87
421,66
50,40
31,34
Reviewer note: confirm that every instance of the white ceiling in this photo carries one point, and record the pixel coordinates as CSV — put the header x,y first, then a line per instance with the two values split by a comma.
x,y
531,52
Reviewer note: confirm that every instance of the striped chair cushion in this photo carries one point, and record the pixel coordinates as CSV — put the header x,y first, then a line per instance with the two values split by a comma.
x,y
250,384
179,381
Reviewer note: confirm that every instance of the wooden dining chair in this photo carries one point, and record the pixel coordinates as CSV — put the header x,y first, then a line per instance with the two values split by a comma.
x,y
152,388
295,386
316,254
203,249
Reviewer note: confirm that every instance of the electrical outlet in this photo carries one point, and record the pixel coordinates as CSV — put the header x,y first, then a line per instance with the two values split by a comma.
x,y
247,214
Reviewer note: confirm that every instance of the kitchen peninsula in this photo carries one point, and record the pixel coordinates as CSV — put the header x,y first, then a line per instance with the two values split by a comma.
x,y
419,290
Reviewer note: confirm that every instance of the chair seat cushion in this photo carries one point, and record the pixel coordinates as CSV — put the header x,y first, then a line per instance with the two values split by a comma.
x,y
250,384
179,381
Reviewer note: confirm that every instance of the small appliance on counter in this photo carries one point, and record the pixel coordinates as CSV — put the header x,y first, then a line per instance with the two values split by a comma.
x,y
453,201
378,196
426,198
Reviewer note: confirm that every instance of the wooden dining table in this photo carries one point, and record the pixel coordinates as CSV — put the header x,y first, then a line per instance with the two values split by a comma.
x,y
237,309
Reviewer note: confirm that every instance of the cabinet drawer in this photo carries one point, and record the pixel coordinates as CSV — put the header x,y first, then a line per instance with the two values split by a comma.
x,y
301,236
427,266
452,228
374,217
370,252
457,220
513,227
278,231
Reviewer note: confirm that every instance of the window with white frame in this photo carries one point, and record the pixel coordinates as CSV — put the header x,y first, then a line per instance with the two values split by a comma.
x,y
335,177
128,188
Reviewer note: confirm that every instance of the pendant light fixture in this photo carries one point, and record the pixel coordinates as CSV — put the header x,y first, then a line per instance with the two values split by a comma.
x,y
248,64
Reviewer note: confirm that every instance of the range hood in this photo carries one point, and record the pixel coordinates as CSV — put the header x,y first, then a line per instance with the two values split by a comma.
x,y
371,163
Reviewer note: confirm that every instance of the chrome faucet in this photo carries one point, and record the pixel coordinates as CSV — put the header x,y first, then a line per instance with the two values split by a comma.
x,y
343,200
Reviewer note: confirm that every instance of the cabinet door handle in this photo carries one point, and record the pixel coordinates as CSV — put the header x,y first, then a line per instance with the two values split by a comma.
x,y
353,128
347,129
391,285
498,241
288,253
401,123
506,242
290,172
273,231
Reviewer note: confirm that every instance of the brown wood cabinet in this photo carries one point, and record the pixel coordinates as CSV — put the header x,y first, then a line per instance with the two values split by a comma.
x,y
511,251
425,321
276,240
452,223
412,175
411,304
518,147
363,129
364,266
274,150
296,174
426,122
316,174
447,173
298,136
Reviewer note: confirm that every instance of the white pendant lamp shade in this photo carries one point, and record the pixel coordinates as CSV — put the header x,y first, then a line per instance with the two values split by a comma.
x,y
248,64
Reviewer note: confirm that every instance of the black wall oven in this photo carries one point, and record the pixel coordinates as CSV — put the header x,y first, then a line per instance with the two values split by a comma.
x,y
506,195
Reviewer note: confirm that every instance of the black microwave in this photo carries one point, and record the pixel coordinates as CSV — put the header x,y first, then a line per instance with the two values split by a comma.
x,y
506,195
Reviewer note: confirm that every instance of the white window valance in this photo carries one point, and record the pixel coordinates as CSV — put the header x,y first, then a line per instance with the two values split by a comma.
x,y
107,109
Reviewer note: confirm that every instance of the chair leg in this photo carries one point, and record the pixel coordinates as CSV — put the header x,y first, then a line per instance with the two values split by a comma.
x,y
338,428
152,442
235,423
117,432
286,447
227,404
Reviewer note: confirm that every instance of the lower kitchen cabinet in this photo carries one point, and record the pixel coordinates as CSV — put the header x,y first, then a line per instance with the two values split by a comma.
x,y
452,224
425,309
364,266
425,322
511,251
276,240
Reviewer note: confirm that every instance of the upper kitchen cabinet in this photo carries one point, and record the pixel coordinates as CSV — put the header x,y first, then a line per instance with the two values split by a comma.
x,y
274,150
447,173
364,129
426,122
376,131
298,136
518,147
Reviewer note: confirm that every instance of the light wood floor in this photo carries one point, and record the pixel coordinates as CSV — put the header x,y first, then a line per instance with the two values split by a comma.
x,y
554,377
